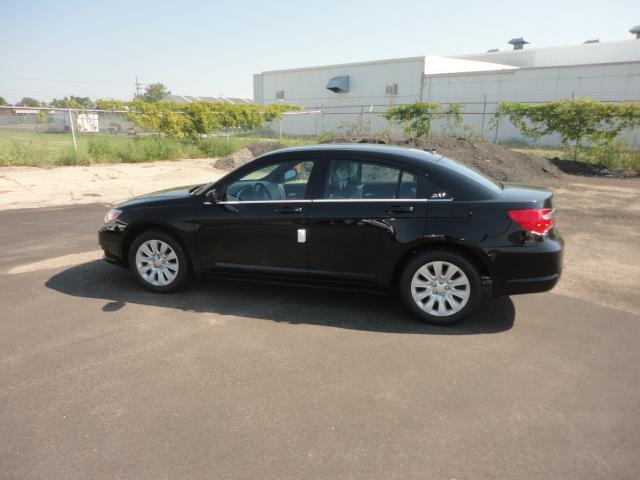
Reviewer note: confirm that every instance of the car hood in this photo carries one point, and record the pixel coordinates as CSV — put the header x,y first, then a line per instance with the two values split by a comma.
x,y
169,196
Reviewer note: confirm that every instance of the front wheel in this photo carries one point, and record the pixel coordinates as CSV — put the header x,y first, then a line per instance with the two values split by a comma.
x,y
441,287
158,261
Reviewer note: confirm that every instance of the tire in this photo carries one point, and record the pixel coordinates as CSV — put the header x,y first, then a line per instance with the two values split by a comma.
x,y
457,293
158,261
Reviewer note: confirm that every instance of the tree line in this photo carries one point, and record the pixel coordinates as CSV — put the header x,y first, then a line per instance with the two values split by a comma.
x,y
154,92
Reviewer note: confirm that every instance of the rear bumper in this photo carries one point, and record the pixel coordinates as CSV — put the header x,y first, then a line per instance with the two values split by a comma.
x,y
527,268
530,285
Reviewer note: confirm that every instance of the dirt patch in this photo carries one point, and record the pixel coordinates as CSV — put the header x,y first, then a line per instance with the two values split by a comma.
x,y
30,187
245,155
573,167
591,209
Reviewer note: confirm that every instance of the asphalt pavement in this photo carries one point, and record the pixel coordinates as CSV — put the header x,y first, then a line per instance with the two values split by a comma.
x,y
229,380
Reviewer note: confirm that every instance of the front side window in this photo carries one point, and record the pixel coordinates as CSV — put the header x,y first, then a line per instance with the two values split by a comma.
x,y
354,179
277,181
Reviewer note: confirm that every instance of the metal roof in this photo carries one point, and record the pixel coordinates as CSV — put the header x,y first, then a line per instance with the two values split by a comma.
x,y
583,54
193,99
435,65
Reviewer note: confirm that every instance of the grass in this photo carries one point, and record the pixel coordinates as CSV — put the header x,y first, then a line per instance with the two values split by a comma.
x,y
617,157
55,149
540,152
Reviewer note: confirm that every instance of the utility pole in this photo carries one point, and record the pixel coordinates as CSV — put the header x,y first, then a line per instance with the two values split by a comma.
x,y
138,85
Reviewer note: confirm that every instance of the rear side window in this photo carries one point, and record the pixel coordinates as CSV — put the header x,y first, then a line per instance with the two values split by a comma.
x,y
354,179
470,173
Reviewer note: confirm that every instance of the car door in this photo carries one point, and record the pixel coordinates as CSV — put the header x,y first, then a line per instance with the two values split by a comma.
x,y
259,220
367,212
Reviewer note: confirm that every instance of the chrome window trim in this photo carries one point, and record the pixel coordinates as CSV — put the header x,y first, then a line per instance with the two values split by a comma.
x,y
334,200
240,202
358,200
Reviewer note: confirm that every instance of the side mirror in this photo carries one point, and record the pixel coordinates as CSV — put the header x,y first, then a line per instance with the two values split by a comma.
x,y
290,174
213,195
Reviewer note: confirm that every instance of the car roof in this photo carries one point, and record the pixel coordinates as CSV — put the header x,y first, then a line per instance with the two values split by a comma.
x,y
419,158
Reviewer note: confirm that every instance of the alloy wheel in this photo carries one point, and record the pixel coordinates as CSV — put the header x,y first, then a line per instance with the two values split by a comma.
x,y
157,263
440,288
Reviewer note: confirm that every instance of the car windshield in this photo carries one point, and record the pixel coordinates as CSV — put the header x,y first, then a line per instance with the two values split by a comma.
x,y
470,173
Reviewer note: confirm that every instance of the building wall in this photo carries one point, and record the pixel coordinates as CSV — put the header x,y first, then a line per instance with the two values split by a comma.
x,y
609,82
368,82
358,110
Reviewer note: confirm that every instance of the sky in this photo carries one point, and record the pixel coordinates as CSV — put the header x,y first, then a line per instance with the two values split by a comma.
x,y
96,48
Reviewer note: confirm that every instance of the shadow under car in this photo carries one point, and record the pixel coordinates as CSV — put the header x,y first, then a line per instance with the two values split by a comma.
x,y
279,303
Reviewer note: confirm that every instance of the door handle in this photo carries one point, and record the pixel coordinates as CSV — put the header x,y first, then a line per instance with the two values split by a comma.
x,y
288,210
401,209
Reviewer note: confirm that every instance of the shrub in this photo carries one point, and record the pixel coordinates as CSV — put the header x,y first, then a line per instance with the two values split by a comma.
x,y
416,118
194,121
580,123
100,148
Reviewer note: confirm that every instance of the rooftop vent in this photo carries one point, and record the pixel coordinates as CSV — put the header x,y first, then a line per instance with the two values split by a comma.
x,y
593,40
636,31
518,43
339,84
493,50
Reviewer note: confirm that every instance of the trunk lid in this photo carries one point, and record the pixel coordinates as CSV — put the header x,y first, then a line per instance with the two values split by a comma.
x,y
527,196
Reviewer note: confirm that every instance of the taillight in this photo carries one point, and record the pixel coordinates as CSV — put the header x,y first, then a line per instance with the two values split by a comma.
x,y
534,220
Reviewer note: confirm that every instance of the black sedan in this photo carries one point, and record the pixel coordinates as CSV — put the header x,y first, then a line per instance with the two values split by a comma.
x,y
375,217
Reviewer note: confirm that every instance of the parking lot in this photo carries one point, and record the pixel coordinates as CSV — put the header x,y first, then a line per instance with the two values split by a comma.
x,y
102,379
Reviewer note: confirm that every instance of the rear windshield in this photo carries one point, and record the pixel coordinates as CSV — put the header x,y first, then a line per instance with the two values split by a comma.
x,y
471,173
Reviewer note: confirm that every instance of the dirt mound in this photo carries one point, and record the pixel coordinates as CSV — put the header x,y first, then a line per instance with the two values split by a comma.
x,y
494,160
245,155
261,148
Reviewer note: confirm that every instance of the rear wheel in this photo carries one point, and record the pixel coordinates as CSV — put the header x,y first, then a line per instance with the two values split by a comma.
x,y
441,287
158,261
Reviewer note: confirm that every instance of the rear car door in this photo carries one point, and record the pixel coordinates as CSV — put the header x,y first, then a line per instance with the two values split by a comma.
x,y
259,222
366,213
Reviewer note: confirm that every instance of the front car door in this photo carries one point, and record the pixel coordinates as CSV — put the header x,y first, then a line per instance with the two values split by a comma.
x,y
259,222
367,213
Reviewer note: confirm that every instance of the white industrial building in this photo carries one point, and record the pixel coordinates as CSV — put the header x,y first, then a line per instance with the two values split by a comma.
x,y
340,97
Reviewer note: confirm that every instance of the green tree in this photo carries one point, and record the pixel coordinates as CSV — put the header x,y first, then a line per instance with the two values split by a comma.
x,y
111,104
154,92
72,102
580,123
416,118
3,101
29,102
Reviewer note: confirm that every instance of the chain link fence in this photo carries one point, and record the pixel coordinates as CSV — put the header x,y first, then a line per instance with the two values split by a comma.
x,y
479,121
53,136
58,136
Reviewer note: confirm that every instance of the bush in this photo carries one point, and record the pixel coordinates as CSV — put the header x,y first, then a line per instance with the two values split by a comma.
x,y
582,124
99,148
615,156
194,121
416,118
